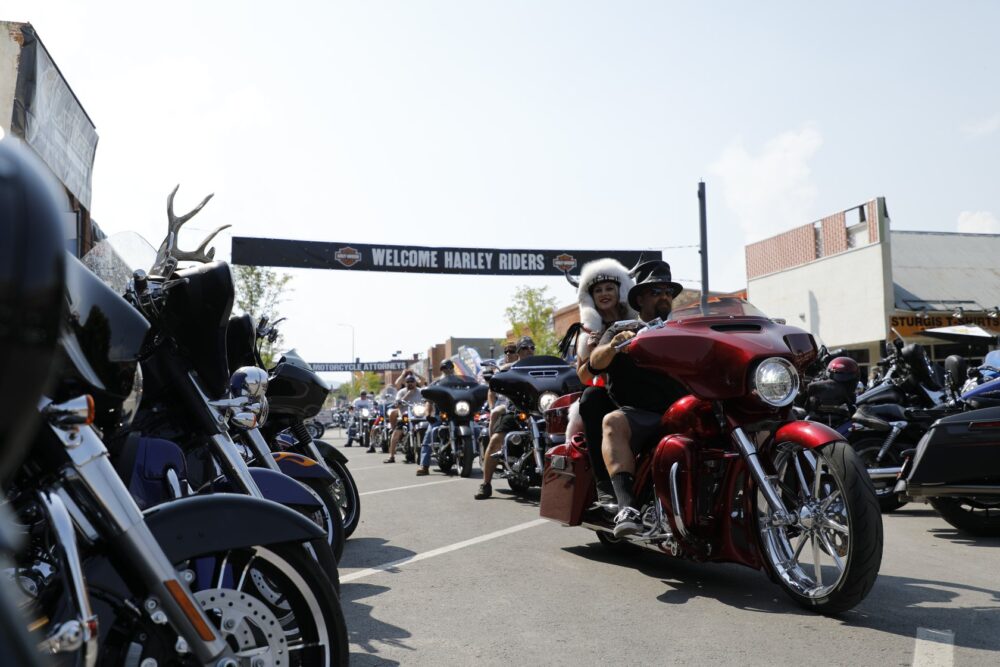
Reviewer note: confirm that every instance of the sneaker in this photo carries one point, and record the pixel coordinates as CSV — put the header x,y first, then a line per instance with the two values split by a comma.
x,y
485,491
390,460
627,522
347,445
423,470
370,450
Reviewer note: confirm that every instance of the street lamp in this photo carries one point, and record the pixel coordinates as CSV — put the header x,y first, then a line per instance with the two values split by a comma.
x,y
351,326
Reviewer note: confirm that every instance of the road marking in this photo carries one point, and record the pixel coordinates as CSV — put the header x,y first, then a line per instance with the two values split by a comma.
x,y
411,486
440,551
934,648
383,467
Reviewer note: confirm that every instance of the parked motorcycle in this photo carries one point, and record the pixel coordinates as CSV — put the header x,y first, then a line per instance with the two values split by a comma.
x,y
737,480
203,578
453,439
956,467
532,385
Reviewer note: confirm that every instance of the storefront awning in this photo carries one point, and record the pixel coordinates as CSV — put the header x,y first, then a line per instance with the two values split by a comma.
x,y
961,333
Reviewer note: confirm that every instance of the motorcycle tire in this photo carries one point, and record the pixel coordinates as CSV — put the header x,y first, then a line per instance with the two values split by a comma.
x,y
845,490
465,444
285,586
966,514
409,451
612,543
867,449
333,518
445,464
346,491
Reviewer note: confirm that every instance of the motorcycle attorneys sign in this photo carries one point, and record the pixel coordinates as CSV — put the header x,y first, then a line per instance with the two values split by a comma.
x,y
418,259
364,366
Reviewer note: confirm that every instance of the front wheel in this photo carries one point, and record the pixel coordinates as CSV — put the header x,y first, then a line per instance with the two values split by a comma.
x,y
345,490
465,446
331,517
828,556
970,515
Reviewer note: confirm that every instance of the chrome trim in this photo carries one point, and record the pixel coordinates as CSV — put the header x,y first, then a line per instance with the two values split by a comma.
x,y
260,449
537,446
959,490
749,451
174,483
884,473
233,465
67,636
675,500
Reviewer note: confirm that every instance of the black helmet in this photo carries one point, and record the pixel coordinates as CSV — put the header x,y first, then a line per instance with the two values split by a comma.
x,y
32,290
447,365
525,342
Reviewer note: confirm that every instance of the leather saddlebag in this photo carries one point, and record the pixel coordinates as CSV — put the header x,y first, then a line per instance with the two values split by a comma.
x,y
567,484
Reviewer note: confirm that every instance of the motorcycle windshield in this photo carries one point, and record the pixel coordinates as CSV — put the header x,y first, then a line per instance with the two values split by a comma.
x,y
114,259
992,359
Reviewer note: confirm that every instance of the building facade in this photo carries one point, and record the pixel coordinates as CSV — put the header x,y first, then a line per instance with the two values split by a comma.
x,y
854,283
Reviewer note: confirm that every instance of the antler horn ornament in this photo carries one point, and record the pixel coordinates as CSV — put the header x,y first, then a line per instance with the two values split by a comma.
x,y
169,254
572,280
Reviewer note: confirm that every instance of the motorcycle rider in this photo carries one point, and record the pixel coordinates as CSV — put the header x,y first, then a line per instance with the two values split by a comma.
x,y
352,427
447,369
409,394
504,424
602,293
642,395
360,403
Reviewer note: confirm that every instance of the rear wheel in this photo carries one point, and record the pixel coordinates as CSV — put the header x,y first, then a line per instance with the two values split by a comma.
x,y
868,449
970,515
828,556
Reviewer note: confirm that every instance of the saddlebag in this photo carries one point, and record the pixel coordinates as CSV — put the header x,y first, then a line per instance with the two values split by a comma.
x,y
567,484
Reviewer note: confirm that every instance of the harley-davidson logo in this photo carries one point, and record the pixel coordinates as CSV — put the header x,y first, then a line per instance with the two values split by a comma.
x,y
348,256
564,262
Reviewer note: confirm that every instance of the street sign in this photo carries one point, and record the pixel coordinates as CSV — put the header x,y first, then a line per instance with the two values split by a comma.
x,y
363,366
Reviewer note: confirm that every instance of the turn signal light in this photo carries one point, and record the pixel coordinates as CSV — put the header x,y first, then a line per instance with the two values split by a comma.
x,y
523,416
77,411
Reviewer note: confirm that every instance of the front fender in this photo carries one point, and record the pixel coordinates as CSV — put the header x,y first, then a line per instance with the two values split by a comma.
x,y
275,486
807,434
298,466
201,525
463,430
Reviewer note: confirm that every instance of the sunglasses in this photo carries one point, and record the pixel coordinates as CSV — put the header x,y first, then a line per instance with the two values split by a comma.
x,y
658,291
510,351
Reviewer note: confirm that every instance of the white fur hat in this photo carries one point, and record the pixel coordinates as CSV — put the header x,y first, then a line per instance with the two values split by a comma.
x,y
599,271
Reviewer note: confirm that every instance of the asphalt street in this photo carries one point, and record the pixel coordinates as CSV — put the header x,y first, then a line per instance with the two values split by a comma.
x,y
434,577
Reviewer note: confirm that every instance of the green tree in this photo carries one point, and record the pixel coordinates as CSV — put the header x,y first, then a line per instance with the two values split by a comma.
x,y
368,381
530,313
259,291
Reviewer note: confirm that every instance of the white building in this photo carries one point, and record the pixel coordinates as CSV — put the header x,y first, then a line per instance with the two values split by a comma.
x,y
851,281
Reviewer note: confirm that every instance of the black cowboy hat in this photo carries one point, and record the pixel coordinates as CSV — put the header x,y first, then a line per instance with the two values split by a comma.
x,y
647,274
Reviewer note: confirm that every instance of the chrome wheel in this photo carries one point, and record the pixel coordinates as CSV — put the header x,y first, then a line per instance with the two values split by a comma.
x,y
811,554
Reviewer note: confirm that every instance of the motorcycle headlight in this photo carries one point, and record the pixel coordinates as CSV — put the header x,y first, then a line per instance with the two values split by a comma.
x,y
132,401
365,412
462,408
776,381
419,411
248,381
547,399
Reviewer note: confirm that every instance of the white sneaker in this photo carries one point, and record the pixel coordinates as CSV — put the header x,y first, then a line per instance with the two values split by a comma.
x,y
628,522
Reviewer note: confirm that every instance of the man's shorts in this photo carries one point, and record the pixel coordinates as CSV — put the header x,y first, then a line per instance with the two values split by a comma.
x,y
645,427
508,423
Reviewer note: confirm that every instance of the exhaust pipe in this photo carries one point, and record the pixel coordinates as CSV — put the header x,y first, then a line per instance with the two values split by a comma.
x,y
882,474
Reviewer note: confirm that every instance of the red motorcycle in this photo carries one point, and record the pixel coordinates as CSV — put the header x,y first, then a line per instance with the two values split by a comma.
x,y
737,479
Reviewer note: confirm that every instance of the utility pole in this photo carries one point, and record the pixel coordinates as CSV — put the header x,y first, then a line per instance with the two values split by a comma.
x,y
703,222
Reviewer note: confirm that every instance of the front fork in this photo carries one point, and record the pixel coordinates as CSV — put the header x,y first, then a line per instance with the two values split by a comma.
x,y
765,482
92,482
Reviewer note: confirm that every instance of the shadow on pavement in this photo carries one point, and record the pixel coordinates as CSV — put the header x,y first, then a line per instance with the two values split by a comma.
x,y
896,605
366,631
370,552
958,537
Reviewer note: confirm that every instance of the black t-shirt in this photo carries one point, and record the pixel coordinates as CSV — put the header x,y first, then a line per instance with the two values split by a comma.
x,y
631,386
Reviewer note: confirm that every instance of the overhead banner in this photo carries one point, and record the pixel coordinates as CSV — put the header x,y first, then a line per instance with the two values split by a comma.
x,y
364,366
420,259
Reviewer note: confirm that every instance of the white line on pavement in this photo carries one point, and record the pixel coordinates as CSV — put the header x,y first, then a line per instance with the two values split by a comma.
x,y
411,486
442,550
934,648
383,467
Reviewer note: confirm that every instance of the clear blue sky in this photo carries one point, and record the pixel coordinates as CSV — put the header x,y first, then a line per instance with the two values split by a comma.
x,y
525,124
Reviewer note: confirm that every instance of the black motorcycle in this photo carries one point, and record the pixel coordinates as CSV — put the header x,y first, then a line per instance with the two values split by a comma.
x,y
203,579
956,467
453,440
532,385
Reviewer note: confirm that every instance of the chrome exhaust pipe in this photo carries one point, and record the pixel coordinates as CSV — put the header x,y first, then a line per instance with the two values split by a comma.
x,y
880,474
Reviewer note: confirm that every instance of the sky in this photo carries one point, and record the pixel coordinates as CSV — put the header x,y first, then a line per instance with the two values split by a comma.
x,y
523,124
